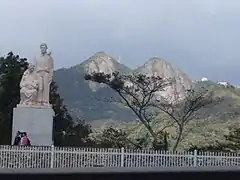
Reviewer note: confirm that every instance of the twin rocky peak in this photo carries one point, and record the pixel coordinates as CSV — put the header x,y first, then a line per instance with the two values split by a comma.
x,y
101,62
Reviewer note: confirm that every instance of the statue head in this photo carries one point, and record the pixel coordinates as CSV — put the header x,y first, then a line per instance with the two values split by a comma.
x,y
43,48
31,68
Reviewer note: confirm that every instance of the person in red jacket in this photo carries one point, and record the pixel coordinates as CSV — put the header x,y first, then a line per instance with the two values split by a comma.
x,y
25,140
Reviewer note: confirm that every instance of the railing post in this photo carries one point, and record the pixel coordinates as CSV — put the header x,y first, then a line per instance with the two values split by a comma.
x,y
195,158
52,157
122,157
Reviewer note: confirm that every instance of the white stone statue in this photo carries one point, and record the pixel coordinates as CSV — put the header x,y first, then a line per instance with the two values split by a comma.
x,y
29,85
44,68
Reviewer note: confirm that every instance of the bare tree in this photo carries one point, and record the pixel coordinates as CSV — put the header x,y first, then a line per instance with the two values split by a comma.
x,y
138,92
181,112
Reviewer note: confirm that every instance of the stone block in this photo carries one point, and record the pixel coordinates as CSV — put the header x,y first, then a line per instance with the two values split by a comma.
x,y
37,122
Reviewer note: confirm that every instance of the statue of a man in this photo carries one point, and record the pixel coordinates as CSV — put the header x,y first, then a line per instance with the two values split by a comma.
x,y
29,86
44,68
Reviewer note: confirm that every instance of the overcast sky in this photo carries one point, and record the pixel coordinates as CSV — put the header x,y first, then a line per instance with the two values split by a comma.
x,y
201,37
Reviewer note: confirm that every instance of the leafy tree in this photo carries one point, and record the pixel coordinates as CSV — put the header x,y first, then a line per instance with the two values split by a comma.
x,y
62,121
233,140
117,138
11,70
211,148
164,143
138,93
231,144
112,138
80,135
76,136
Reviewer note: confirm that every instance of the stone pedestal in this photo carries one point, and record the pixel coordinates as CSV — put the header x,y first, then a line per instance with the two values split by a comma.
x,y
37,122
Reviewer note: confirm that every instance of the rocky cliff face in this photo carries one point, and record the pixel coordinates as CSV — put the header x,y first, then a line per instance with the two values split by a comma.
x,y
102,62
180,81
99,62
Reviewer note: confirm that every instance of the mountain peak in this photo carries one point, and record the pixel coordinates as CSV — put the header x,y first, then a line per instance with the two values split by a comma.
x,y
156,60
101,62
101,54
158,67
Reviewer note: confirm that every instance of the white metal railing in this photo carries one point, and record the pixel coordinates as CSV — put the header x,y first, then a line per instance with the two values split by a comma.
x,y
65,157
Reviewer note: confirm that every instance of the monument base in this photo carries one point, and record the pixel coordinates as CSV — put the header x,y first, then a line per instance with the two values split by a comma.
x,y
37,122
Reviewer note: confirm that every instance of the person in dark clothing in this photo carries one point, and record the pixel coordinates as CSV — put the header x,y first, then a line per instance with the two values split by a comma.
x,y
17,139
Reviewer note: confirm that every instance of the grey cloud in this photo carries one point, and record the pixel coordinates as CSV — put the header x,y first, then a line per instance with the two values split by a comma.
x,y
200,37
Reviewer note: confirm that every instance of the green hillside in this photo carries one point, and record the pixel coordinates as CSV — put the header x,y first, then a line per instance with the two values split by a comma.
x,y
84,102
212,125
230,106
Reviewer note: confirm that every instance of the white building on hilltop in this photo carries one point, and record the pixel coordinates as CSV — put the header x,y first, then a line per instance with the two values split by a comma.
x,y
223,83
204,79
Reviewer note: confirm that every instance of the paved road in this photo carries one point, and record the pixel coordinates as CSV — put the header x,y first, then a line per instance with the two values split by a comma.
x,y
117,170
